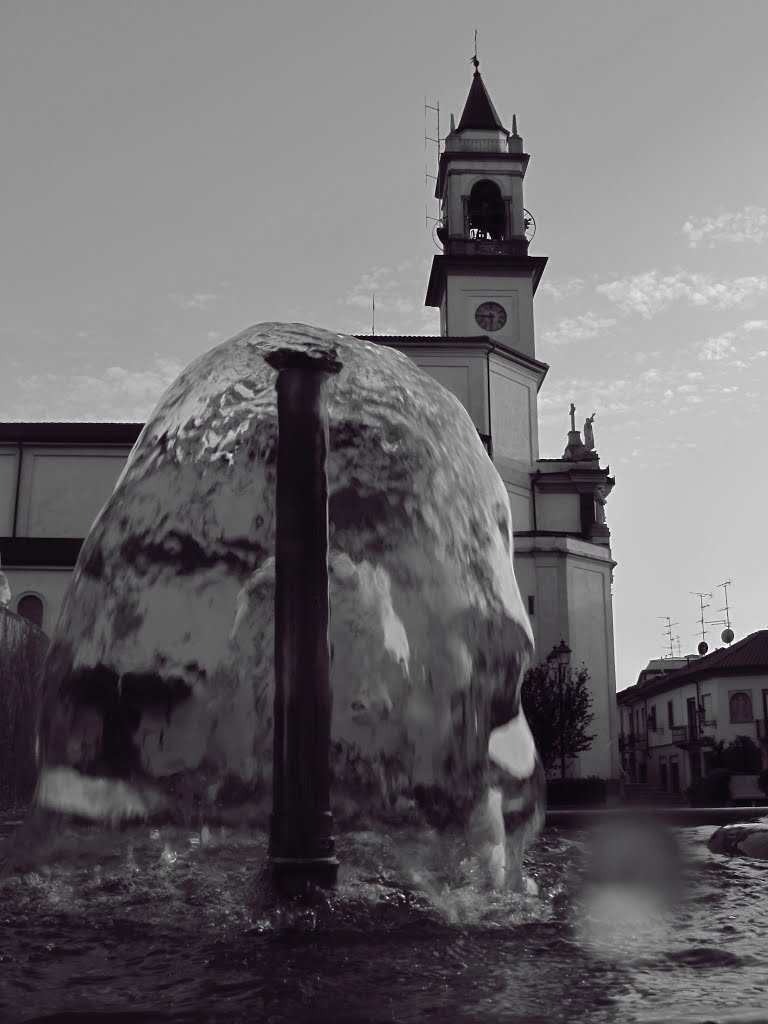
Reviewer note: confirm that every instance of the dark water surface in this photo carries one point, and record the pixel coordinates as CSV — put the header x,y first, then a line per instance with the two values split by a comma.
x,y
172,925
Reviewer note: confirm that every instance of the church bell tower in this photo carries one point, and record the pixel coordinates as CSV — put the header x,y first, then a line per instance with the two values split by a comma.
x,y
484,281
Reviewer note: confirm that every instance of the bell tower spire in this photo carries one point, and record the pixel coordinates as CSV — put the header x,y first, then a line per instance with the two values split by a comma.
x,y
485,279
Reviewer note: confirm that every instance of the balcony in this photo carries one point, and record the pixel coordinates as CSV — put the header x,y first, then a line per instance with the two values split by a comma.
x,y
633,744
689,739
461,246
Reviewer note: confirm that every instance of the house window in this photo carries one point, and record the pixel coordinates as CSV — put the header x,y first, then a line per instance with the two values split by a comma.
x,y
531,604
670,714
706,703
740,704
31,607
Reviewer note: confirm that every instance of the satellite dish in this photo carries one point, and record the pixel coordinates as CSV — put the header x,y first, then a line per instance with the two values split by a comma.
x,y
530,225
727,636
703,647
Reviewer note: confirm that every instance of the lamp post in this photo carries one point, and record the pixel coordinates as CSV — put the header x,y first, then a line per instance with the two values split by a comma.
x,y
558,660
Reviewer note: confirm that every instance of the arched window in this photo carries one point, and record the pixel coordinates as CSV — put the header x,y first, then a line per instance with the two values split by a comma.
x,y
31,607
741,707
487,212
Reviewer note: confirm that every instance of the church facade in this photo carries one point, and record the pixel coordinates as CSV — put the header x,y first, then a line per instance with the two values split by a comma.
x,y
54,478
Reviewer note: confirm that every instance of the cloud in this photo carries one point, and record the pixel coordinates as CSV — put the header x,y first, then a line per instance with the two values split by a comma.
x,y
562,289
392,292
114,394
577,328
749,224
651,292
715,349
399,292
755,325
197,301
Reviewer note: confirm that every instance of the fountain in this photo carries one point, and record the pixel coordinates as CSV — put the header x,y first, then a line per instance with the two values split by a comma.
x,y
159,690
175,758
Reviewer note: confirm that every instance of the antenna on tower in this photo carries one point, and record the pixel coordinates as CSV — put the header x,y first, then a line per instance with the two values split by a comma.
x,y
373,312
668,633
474,59
437,141
436,138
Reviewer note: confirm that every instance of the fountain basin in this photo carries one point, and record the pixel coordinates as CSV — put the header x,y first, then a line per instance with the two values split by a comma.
x,y
167,924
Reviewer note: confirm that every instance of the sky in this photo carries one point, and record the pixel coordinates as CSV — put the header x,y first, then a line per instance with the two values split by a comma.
x,y
175,172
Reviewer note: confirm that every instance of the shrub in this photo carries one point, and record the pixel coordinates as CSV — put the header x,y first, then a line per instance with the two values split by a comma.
x,y
741,755
586,792
711,791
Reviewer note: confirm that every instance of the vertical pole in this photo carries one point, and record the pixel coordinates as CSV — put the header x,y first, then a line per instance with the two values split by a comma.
x,y
560,675
302,845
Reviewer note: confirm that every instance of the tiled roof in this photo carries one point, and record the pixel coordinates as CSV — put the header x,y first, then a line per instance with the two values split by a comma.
x,y
479,111
421,337
749,654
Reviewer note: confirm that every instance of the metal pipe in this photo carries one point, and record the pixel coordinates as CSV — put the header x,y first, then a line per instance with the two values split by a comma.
x,y
301,840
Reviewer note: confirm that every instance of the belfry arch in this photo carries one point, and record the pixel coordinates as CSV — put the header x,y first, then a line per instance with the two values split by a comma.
x,y
486,212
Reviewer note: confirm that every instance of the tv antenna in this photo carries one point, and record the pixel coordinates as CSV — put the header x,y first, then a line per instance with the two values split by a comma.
x,y
726,609
701,596
727,635
668,633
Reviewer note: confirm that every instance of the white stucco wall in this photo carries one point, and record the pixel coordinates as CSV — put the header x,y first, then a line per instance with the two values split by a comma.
x,y
513,291
461,371
591,641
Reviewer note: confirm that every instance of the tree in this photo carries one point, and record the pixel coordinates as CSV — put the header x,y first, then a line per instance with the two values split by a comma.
x,y
741,755
558,713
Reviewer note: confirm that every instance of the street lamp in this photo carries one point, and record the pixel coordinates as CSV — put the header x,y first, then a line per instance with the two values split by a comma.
x,y
558,660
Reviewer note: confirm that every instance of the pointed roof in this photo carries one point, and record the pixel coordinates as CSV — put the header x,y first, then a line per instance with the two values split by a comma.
x,y
479,111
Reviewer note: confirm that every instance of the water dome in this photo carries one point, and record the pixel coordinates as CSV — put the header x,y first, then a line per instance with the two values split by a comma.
x,y
157,694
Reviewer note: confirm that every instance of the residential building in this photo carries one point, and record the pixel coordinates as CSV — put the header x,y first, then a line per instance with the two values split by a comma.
x,y
671,719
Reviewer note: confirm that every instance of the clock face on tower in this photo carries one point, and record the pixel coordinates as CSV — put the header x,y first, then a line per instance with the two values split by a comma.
x,y
490,316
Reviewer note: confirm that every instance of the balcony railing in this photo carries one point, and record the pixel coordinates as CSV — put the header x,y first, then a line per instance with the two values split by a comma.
x,y
515,246
686,738
633,742
459,145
